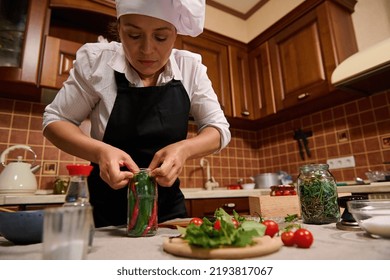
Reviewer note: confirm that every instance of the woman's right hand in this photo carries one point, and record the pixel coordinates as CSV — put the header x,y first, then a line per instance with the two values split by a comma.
x,y
111,160
69,138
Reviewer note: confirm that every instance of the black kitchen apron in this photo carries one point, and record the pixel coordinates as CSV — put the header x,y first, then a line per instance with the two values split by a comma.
x,y
143,120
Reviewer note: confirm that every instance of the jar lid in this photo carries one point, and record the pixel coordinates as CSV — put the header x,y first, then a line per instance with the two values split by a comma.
x,y
79,169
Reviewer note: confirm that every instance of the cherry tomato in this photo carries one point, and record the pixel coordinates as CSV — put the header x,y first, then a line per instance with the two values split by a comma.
x,y
217,225
293,192
272,227
286,192
235,223
288,238
303,238
196,221
278,193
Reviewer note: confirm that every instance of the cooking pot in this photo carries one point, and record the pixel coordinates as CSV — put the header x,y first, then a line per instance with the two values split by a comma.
x,y
266,180
17,177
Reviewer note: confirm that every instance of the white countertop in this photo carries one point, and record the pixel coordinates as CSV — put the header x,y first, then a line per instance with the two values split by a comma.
x,y
111,243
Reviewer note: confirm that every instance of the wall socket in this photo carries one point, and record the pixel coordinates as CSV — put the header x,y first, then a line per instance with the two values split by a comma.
x,y
342,162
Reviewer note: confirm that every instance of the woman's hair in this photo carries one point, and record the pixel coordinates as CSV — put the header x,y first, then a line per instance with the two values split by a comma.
x,y
112,29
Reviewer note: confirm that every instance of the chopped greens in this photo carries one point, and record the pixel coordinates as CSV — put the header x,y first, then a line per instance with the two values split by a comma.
x,y
318,198
207,236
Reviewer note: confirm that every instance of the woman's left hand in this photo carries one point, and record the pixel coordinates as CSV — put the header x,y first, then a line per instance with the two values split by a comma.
x,y
168,163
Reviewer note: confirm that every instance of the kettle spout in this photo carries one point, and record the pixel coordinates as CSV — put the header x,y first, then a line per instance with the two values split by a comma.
x,y
35,168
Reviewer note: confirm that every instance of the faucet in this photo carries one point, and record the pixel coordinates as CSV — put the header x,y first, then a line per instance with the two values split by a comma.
x,y
210,182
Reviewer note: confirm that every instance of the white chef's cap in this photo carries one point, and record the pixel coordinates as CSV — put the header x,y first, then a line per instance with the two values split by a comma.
x,y
186,15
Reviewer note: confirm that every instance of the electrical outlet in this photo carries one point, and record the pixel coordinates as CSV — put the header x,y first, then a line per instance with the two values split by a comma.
x,y
342,162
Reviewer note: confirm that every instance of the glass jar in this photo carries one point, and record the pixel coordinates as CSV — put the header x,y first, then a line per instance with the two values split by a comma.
x,y
77,193
317,192
61,185
142,205
13,16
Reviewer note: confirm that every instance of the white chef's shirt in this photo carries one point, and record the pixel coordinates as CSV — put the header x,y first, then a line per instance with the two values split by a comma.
x,y
91,90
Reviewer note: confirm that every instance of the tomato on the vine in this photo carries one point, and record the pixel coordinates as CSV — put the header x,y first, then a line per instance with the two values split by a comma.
x,y
272,227
303,238
196,221
288,238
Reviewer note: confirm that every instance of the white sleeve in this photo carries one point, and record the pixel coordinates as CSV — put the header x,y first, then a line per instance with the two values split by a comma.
x,y
76,98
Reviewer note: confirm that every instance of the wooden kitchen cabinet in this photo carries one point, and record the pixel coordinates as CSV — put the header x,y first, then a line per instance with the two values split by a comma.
x,y
305,53
58,59
206,207
106,7
261,78
215,57
23,79
241,91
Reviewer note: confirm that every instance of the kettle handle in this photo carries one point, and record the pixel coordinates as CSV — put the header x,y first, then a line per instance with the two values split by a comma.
x,y
25,147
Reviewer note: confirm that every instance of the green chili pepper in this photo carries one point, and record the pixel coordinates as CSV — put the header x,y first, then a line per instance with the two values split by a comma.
x,y
142,199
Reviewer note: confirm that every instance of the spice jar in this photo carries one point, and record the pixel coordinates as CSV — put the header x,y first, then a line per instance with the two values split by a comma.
x,y
142,205
61,185
77,194
317,192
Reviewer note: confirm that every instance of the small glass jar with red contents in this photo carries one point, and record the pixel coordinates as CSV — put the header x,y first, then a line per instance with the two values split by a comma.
x,y
282,190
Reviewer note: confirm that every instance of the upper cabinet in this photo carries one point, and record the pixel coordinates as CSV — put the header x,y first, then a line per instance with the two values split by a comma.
x,y
21,40
241,91
215,58
39,40
261,82
305,53
58,58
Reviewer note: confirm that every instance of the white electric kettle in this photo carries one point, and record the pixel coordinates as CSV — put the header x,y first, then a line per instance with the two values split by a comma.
x,y
17,177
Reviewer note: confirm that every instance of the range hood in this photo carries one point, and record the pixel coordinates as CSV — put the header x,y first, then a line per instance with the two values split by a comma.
x,y
367,71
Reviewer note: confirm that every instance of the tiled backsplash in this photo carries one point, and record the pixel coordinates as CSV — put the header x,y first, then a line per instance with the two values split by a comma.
x,y
360,128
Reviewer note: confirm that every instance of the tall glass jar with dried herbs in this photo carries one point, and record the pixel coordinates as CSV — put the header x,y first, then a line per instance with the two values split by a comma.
x,y
317,192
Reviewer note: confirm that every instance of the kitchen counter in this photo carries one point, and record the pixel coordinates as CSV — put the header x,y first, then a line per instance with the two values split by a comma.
x,y
198,193
6,199
111,243
376,187
195,193
189,193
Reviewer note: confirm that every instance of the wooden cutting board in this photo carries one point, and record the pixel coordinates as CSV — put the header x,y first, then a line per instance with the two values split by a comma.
x,y
183,222
263,246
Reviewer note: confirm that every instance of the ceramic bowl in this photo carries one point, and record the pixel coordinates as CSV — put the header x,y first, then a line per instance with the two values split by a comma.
x,y
373,216
22,227
248,186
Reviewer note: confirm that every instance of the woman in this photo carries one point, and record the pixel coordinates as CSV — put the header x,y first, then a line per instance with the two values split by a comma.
x,y
139,94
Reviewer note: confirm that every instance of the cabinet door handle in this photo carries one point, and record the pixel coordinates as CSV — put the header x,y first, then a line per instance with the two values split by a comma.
x,y
230,205
245,113
303,95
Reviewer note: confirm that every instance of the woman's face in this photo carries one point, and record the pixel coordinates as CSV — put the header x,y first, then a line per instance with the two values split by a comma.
x,y
147,43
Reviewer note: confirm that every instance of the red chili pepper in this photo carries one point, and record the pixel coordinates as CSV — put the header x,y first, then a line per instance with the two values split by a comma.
x,y
152,219
134,217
